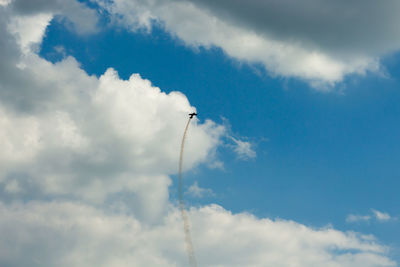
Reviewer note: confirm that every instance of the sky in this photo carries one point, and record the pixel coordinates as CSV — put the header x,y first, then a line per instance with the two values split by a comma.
x,y
292,160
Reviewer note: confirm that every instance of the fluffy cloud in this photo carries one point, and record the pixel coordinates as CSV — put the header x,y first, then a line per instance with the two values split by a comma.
x,y
113,136
71,234
4,2
67,134
80,18
315,40
85,165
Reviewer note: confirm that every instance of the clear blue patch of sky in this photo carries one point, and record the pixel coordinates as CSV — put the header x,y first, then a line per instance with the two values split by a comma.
x,y
320,156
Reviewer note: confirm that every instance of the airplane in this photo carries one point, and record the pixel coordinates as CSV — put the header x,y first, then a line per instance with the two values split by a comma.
x,y
192,114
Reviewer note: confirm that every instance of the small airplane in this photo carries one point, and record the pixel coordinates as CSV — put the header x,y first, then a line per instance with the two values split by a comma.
x,y
192,115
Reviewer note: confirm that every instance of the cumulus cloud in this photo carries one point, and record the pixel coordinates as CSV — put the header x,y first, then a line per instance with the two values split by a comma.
x,y
114,136
318,41
72,234
85,165
4,2
67,134
75,14
29,30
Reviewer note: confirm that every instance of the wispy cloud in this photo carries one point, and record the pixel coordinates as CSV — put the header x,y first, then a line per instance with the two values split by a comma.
x,y
357,218
381,216
196,191
243,149
240,145
375,215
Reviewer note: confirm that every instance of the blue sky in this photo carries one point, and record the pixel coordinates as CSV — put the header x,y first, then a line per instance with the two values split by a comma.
x,y
324,154
326,142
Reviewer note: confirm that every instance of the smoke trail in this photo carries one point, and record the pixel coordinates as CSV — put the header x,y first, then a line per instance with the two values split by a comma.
x,y
186,226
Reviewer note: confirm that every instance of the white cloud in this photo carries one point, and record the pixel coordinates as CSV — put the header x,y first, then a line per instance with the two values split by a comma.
x,y
77,16
4,2
381,216
70,135
29,30
377,215
116,136
12,187
71,234
357,218
317,41
196,191
84,175
243,149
